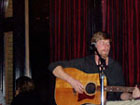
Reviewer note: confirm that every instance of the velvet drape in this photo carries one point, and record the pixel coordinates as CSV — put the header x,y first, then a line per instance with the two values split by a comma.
x,y
68,22
121,20
72,23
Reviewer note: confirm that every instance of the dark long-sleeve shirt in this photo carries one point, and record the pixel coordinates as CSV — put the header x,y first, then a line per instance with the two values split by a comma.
x,y
87,64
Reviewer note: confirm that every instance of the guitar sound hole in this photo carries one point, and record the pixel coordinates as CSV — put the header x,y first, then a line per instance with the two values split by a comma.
x,y
90,88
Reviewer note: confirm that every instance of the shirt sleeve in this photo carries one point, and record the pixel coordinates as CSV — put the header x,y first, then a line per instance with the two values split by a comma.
x,y
115,78
79,63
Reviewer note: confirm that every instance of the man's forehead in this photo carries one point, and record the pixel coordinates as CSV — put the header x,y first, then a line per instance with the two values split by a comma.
x,y
104,40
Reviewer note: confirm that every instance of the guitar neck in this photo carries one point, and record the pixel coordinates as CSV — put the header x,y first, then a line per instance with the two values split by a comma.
x,y
118,89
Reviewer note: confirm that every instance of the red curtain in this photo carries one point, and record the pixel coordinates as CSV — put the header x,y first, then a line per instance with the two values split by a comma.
x,y
68,32
121,20
72,23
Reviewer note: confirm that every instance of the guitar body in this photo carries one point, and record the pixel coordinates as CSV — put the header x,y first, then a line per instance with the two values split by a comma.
x,y
65,94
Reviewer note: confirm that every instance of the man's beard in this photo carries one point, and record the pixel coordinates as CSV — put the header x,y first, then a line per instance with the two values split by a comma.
x,y
104,56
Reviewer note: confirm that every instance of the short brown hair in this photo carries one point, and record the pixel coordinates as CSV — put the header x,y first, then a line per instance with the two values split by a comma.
x,y
100,36
24,84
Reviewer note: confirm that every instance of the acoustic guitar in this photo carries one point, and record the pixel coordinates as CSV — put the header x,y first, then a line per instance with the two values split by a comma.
x,y
66,95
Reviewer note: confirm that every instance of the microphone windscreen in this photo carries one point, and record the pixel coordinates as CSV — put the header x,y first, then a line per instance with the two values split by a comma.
x,y
93,43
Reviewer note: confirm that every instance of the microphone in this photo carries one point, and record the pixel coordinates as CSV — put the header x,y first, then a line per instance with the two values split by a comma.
x,y
92,46
93,43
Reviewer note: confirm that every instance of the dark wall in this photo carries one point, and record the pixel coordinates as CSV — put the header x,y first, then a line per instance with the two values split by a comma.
x,y
19,37
39,50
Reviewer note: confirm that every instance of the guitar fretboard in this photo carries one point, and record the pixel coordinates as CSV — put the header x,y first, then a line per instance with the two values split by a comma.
x,y
118,89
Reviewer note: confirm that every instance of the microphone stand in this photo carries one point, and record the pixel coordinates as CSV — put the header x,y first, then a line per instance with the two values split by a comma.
x,y
101,68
